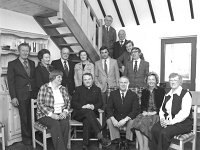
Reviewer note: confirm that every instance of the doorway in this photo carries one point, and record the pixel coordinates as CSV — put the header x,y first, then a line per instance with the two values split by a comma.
x,y
179,55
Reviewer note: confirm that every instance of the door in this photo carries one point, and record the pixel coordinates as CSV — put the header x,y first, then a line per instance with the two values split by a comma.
x,y
179,55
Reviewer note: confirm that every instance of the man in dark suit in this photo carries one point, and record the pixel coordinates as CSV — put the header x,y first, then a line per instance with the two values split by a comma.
x,y
123,107
86,101
21,73
67,67
120,46
108,34
137,69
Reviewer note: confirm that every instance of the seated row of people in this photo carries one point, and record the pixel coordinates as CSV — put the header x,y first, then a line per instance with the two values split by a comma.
x,y
150,123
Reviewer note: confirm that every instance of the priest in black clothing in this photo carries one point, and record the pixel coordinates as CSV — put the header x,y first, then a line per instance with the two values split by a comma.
x,y
86,101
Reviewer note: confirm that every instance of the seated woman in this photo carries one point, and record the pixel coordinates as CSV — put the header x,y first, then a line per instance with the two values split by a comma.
x,y
83,67
151,100
52,109
175,115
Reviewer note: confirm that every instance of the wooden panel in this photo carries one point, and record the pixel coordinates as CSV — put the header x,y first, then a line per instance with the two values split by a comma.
x,y
24,7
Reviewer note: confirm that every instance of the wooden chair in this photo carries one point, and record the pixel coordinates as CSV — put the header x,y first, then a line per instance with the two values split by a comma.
x,y
36,126
190,137
73,129
2,136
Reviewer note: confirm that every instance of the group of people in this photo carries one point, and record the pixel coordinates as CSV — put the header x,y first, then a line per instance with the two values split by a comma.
x,y
61,85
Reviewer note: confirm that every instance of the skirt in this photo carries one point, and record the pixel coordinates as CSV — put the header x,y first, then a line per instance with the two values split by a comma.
x,y
144,124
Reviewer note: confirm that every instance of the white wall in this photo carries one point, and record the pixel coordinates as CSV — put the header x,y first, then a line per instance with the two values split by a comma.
x,y
148,39
17,21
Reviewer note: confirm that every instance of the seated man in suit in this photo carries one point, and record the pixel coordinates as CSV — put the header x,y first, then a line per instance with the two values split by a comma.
x,y
123,107
86,101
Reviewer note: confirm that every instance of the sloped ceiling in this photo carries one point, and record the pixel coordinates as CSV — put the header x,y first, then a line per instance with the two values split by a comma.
x,y
140,12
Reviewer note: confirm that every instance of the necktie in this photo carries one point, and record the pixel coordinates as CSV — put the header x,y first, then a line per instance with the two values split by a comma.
x,y
135,67
105,67
66,68
122,98
121,43
107,29
26,67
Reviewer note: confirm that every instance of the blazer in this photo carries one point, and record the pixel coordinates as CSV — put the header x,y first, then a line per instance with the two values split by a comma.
x,y
118,109
137,78
67,81
123,59
19,81
108,37
79,71
102,80
45,100
41,75
83,96
118,50
159,94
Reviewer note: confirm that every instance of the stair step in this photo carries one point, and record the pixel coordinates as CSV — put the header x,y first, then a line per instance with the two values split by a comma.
x,y
62,35
46,15
55,25
70,44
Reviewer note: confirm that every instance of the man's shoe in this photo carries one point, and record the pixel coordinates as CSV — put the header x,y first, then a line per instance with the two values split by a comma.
x,y
84,147
105,142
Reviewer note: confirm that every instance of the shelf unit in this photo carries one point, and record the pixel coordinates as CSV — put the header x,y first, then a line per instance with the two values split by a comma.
x,y
9,41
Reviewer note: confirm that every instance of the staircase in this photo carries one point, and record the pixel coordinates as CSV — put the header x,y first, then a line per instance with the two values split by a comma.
x,y
73,25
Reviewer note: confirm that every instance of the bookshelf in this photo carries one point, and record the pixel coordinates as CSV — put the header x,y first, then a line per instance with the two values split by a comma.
x,y
9,42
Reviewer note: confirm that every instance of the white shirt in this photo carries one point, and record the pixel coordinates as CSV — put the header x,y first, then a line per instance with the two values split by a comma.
x,y
138,63
123,92
122,42
185,108
107,62
107,27
58,99
62,60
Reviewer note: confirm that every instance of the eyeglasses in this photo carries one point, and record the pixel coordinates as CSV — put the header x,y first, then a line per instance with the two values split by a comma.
x,y
173,80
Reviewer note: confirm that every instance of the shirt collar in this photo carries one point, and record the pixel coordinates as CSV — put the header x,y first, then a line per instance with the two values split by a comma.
x,y
62,60
51,86
22,60
138,60
123,92
177,91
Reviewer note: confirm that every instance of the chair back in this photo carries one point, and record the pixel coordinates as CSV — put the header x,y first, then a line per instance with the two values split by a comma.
x,y
33,111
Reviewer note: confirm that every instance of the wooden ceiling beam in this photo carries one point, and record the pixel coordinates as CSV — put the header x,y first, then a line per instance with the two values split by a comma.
x,y
118,13
134,12
101,7
170,10
151,10
191,9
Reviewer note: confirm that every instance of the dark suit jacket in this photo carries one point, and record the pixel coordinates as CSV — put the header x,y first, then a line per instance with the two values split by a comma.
x,y
66,80
137,79
83,96
159,94
123,59
41,75
108,38
118,49
119,110
19,81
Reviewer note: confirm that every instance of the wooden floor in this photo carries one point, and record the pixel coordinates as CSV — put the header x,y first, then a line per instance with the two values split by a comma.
x,y
78,146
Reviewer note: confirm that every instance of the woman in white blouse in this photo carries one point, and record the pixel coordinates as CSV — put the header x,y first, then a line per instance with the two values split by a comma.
x,y
83,67
175,115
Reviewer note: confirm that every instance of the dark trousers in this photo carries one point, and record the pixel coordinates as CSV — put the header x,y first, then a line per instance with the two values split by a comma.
x,y
89,119
59,130
161,137
25,119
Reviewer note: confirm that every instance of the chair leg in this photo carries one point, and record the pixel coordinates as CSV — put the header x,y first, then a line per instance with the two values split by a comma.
x,y
136,143
69,138
181,146
33,137
194,143
44,140
3,138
